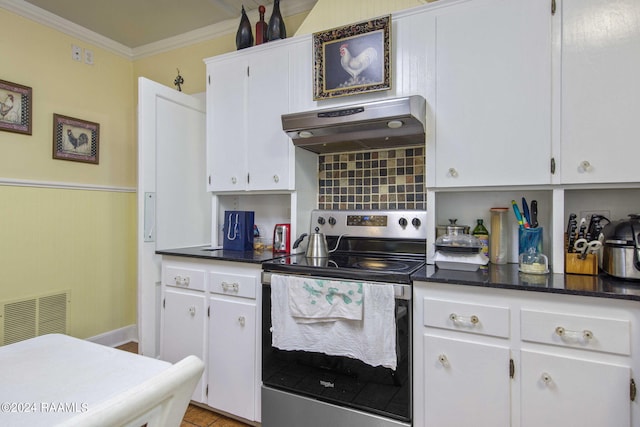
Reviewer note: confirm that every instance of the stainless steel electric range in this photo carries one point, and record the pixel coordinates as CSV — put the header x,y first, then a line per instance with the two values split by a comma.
x,y
314,389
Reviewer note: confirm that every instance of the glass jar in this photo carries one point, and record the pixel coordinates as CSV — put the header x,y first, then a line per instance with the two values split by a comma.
x,y
498,239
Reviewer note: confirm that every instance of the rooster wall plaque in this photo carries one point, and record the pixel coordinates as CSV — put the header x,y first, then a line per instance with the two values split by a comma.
x,y
352,59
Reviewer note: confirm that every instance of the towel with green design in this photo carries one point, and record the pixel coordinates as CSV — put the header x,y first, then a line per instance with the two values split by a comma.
x,y
316,300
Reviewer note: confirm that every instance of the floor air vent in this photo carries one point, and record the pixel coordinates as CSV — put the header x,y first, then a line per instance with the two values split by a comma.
x,y
28,318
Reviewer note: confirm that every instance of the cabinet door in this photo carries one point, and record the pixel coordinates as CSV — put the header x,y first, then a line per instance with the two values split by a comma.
x,y
232,353
600,94
493,86
465,383
182,329
564,391
226,124
269,149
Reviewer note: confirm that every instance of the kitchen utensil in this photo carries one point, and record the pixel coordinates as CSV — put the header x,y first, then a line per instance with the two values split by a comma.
x,y
282,238
621,249
317,247
571,229
534,213
525,211
585,247
516,210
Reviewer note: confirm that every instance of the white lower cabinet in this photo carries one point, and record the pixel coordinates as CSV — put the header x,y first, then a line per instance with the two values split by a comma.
x,y
233,374
213,314
465,383
493,357
183,311
567,391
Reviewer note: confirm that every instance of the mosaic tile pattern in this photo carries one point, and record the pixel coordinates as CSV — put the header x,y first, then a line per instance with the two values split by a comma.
x,y
385,179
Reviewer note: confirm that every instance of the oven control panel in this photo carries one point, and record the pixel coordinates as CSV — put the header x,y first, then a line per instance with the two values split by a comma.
x,y
393,224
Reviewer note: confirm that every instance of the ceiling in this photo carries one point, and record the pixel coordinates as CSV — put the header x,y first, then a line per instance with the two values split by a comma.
x,y
135,23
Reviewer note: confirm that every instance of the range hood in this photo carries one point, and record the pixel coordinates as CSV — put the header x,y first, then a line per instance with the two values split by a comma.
x,y
389,123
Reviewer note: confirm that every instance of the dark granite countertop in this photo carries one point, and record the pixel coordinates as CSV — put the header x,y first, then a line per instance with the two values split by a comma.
x,y
508,277
205,252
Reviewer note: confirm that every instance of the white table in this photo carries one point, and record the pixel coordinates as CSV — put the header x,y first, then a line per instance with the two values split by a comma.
x,y
49,379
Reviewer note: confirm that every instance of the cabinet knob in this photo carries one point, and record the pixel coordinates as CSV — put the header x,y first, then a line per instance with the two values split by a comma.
x,y
585,166
276,178
566,333
472,320
241,320
443,360
452,173
234,180
192,310
546,378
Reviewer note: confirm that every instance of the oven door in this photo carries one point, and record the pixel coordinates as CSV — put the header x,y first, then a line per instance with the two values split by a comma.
x,y
343,381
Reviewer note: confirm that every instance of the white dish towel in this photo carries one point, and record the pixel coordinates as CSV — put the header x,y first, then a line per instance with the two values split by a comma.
x,y
371,340
317,300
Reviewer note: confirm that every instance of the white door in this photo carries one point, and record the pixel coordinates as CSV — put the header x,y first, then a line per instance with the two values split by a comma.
x,y
465,383
493,86
183,319
232,354
174,208
565,391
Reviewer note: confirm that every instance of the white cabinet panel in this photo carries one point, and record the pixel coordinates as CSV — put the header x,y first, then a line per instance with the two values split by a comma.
x,y
182,330
566,391
493,86
600,92
232,353
465,383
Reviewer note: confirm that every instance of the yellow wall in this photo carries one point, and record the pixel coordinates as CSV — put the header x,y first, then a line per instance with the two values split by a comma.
x,y
54,239
84,239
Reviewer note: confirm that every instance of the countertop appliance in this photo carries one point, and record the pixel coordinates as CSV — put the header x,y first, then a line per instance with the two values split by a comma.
x,y
621,249
387,123
282,238
383,248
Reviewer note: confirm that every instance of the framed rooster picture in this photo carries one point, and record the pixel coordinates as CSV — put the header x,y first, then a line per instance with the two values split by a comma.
x,y
75,139
15,107
352,59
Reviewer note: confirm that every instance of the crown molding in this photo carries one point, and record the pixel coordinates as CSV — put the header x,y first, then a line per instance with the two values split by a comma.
x,y
230,26
48,19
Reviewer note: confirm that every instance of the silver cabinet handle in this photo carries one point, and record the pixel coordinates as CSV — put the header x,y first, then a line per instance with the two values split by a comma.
x,y
565,333
473,320
230,287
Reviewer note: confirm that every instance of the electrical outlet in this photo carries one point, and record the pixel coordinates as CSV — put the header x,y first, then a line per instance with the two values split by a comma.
x,y
76,53
589,213
88,56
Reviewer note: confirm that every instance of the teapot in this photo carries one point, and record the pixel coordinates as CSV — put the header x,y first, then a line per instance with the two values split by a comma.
x,y
317,246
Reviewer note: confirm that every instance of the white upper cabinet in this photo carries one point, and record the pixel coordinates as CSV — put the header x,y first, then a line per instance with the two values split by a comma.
x,y
600,91
247,92
493,94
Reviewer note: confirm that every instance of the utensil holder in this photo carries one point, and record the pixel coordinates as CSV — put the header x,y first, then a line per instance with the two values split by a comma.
x,y
574,264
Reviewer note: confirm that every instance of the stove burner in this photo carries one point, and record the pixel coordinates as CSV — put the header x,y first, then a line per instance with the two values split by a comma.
x,y
379,264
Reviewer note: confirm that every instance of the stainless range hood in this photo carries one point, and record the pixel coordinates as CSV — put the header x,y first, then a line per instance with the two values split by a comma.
x,y
395,122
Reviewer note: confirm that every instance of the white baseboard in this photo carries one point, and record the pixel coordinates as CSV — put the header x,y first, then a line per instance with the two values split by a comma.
x,y
117,336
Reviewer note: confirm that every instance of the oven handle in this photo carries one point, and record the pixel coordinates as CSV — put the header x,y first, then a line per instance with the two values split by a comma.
x,y
400,291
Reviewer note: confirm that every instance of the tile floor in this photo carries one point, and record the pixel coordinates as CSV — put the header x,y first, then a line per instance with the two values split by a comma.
x,y
196,416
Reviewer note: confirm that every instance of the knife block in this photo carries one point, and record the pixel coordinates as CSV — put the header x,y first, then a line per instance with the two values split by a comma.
x,y
573,264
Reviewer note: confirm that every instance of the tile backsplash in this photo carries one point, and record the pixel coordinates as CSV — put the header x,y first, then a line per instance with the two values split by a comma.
x,y
384,179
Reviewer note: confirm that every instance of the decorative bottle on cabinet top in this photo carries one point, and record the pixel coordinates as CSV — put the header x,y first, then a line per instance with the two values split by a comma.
x,y
261,27
276,29
244,36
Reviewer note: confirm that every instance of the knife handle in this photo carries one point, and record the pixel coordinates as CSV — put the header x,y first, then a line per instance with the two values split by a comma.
x,y
534,213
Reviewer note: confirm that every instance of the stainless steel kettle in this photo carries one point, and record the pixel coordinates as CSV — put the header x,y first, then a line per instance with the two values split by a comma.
x,y
317,247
